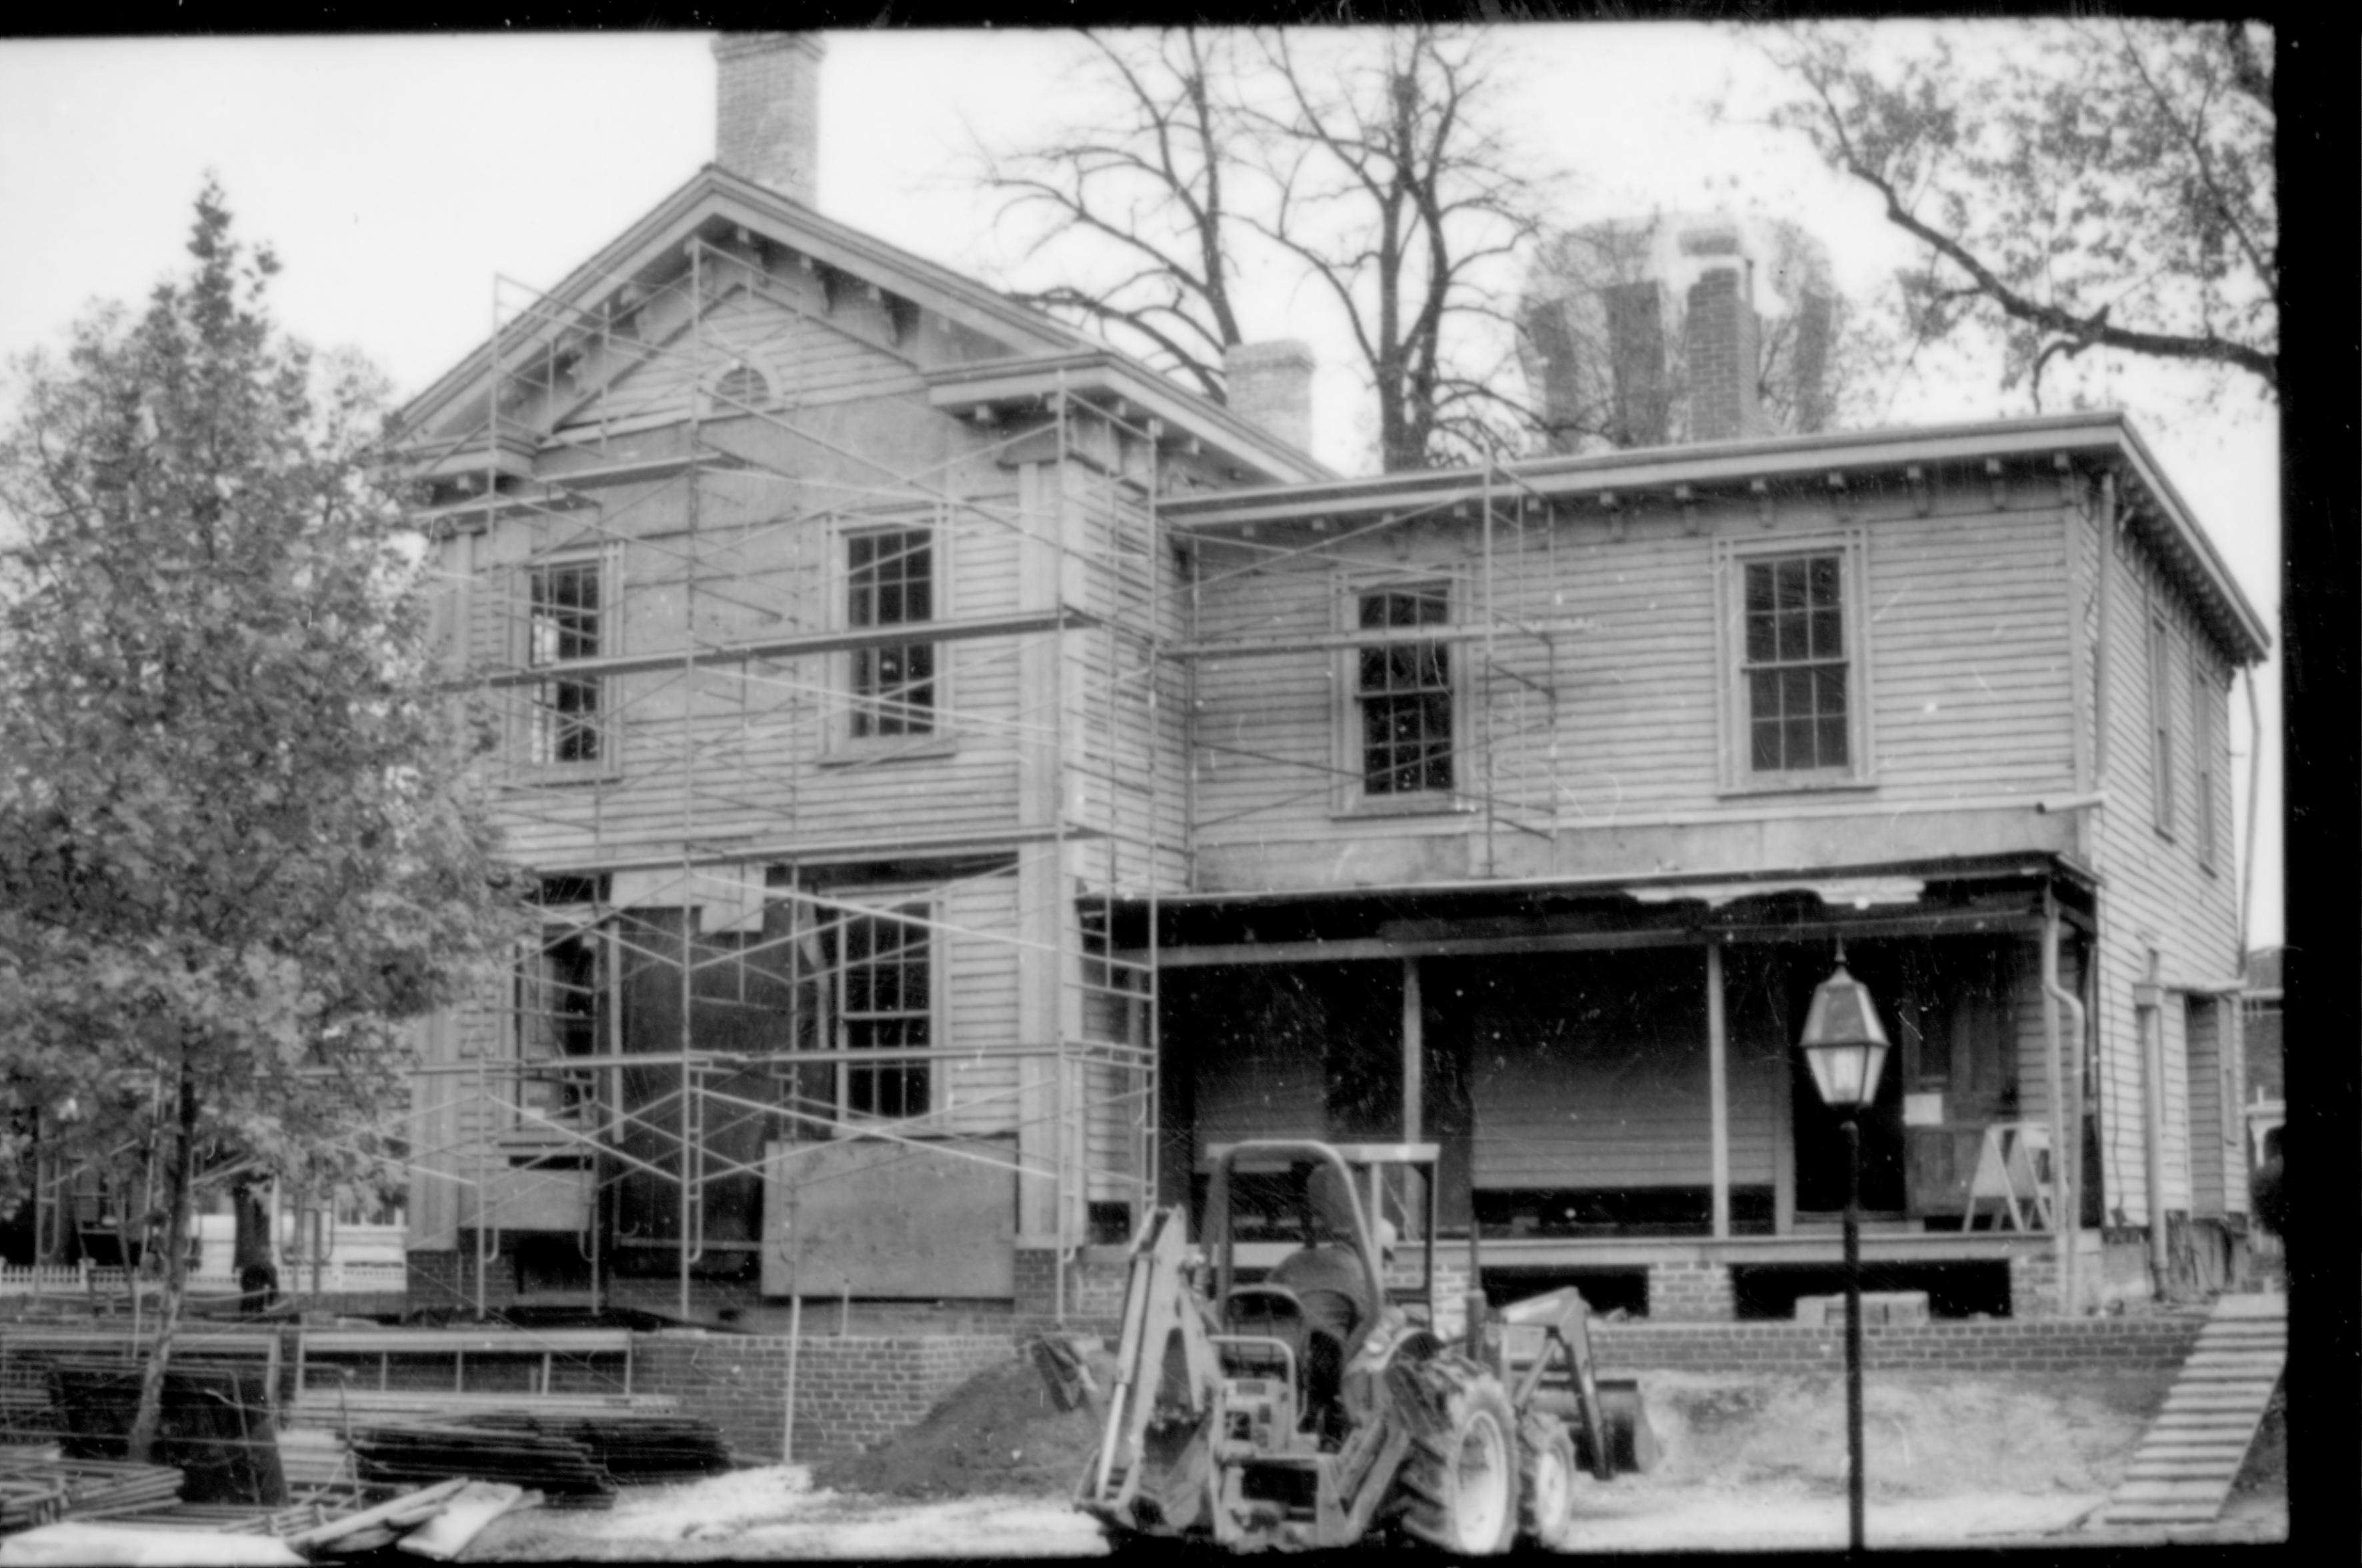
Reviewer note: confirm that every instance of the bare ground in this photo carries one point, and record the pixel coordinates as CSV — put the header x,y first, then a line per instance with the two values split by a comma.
x,y
1753,1462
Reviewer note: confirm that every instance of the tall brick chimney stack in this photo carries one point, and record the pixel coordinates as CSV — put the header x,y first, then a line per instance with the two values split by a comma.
x,y
766,111
1271,388
1722,339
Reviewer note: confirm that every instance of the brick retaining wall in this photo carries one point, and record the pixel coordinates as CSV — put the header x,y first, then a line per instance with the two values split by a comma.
x,y
2039,1346
849,1392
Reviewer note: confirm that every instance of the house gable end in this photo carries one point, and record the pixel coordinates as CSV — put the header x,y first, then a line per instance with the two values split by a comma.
x,y
745,237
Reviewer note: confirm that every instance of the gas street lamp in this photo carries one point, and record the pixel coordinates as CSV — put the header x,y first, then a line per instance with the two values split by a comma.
x,y
1846,1047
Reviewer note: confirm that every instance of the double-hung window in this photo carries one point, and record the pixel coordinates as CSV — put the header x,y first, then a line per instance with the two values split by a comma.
x,y
2160,720
1404,728
1795,698
2203,695
885,1002
890,577
557,1016
567,623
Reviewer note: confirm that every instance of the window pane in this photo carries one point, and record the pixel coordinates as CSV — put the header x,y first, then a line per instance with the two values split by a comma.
x,y
1763,636
1831,750
1827,634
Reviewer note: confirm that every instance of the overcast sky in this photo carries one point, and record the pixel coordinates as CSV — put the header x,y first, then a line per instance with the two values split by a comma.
x,y
397,177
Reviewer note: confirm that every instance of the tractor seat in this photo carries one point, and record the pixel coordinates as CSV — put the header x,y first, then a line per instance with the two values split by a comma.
x,y
1319,1326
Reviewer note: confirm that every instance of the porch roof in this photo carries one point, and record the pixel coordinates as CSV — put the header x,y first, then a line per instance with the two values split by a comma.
x,y
1959,894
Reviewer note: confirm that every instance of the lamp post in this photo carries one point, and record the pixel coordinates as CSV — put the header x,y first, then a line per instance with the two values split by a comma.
x,y
1846,1046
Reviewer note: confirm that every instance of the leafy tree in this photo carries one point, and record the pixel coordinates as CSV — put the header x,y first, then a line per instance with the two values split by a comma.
x,y
234,852
2100,185
1366,165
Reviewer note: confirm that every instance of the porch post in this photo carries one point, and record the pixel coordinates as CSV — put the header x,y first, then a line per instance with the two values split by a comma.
x,y
1717,1078
1414,1045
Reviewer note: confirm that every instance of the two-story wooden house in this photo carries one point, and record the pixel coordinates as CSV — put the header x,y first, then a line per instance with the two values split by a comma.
x,y
1529,806
964,774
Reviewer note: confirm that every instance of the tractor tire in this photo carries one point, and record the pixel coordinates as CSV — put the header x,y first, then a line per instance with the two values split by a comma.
x,y
1460,1480
1547,1477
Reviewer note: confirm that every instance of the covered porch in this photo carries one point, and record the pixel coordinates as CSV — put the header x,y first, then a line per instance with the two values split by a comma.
x,y
1611,1071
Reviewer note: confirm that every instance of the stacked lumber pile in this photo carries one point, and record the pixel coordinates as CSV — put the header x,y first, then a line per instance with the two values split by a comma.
x,y
561,1470
632,1447
86,1488
28,1500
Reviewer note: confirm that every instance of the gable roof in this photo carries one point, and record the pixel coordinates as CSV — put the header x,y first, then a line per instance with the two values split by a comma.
x,y
1035,342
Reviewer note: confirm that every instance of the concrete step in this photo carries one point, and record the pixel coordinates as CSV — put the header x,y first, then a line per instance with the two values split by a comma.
x,y
2174,1491
2147,1469
2184,1469
2163,1513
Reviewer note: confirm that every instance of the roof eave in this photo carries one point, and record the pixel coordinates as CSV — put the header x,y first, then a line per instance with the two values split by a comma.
x,y
1107,370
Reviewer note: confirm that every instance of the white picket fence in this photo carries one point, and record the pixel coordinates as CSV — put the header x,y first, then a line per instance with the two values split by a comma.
x,y
341,1277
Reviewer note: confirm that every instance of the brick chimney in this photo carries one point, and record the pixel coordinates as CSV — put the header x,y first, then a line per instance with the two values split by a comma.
x,y
1721,338
767,110
1271,388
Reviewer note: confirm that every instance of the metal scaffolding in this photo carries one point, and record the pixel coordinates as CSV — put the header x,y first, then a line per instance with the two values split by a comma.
x,y
647,779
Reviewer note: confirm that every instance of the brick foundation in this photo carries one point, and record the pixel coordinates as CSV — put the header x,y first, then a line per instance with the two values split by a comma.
x,y
1690,1292
1094,1290
850,1392
446,1280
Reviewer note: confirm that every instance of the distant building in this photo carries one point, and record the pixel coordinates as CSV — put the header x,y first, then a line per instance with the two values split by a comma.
x,y
2267,1099
1680,327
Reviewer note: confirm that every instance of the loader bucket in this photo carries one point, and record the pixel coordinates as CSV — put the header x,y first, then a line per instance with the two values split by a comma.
x,y
1632,1441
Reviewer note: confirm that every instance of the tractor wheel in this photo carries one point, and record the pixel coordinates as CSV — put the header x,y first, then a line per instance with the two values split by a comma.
x,y
1461,1479
1546,1498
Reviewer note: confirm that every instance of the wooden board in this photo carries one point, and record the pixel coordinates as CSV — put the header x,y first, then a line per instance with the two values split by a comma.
x,y
872,1218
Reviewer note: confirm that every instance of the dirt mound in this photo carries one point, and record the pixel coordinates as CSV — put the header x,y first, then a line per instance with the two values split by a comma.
x,y
1924,1435
999,1433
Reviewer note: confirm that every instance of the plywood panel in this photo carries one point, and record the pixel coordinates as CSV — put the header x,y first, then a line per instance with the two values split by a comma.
x,y
890,1220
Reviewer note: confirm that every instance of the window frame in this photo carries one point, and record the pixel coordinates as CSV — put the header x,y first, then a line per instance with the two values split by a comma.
x,y
606,762
537,1024
1734,709
1353,795
921,915
847,741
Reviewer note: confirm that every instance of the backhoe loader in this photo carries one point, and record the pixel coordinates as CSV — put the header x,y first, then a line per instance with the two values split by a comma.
x,y
1322,1403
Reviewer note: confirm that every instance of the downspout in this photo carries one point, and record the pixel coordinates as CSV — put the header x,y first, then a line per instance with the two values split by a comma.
x,y
2254,783
2148,1001
2067,1160
2102,671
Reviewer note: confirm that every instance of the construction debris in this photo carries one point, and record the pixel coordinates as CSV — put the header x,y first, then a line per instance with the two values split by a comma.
x,y
1065,1364
472,1507
215,1426
372,1528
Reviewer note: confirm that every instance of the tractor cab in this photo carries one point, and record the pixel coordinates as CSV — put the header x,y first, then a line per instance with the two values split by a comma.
x,y
1305,1243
